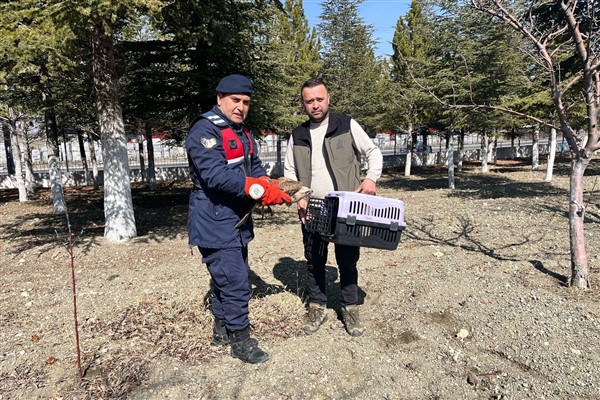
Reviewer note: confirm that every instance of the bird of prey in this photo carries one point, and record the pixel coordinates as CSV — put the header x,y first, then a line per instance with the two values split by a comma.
x,y
295,189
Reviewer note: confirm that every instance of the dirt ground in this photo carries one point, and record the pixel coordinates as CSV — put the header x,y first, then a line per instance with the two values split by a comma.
x,y
472,305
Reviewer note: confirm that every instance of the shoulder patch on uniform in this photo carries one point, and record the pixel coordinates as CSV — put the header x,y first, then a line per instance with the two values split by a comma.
x,y
208,143
215,119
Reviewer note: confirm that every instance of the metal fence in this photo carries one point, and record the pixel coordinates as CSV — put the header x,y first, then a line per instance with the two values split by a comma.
x,y
168,154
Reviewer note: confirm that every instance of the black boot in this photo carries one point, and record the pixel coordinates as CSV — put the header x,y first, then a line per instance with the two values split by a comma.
x,y
246,348
220,337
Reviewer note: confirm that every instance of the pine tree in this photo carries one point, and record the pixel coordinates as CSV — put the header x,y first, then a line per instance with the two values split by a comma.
x,y
414,109
476,62
32,54
350,68
101,22
293,58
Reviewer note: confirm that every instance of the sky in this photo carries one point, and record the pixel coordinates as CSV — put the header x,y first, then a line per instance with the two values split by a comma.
x,y
381,14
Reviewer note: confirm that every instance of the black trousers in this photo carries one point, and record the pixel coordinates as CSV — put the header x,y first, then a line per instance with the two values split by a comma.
x,y
315,252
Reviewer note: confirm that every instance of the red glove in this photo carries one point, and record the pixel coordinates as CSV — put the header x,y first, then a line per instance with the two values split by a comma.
x,y
255,188
274,196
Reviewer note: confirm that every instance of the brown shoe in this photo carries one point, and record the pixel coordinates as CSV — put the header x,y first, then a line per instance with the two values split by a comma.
x,y
351,319
315,318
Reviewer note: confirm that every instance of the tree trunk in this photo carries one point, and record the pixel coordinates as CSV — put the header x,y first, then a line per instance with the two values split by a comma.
x,y
49,115
579,261
53,150
495,150
425,154
535,149
140,139
118,203
450,164
461,149
151,168
513,150
94,160
66,152
84,162
27,163
10,164
484,150
58,200
448,138
277,170
16,154
52,133
551,155
409,151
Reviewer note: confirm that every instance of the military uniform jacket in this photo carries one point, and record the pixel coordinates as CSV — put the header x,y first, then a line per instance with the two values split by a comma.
x,y
218,202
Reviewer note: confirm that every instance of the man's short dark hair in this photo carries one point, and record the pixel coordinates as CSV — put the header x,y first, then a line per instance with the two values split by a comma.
x,y
311,83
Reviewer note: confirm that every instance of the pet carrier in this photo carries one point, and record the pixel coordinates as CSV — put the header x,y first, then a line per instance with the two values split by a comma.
x,y
356,219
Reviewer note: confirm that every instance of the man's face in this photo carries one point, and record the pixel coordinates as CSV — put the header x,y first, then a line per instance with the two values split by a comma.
x,y
316,102
234,106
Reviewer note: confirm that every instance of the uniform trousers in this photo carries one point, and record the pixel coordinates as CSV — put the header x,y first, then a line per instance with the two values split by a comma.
x,y
230,285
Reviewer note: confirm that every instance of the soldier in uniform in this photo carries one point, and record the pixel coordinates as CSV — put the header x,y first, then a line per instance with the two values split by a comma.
x,y
228,179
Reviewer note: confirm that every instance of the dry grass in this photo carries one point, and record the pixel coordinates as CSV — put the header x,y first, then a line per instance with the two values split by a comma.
x,y
130,341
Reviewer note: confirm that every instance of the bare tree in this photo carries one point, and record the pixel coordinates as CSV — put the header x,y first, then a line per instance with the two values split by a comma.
x,y
576,29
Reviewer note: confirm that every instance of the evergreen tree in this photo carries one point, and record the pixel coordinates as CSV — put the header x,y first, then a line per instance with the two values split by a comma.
x,y
32,57
414,108
293,58
350,68
101,22
478,63
214,39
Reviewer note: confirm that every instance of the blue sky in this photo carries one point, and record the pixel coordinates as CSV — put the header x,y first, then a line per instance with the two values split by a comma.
x,y
381,14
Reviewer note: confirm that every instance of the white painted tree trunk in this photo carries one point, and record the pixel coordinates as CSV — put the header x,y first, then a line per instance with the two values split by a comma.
x,y
409,153
450,165
485,150
118,204
535,149
551,156
30,184
16,153
58,199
